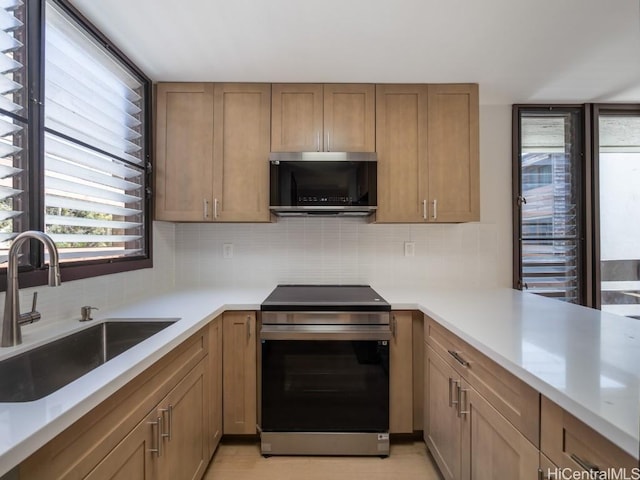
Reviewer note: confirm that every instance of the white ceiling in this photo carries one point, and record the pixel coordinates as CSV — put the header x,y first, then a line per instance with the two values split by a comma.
x,y
517,50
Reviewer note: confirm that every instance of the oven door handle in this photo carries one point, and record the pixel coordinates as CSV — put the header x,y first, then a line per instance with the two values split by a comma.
x,y
325,332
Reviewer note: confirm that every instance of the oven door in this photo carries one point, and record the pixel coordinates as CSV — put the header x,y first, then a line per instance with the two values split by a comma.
x,y
325,378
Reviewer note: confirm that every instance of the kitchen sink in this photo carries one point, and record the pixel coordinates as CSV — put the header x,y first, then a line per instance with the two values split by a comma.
x,y
37,373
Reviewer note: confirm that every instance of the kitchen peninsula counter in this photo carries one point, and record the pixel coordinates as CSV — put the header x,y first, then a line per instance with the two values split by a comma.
x,y
586,361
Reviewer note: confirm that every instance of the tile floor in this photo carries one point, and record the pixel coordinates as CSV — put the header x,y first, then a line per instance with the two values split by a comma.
x,y
409,460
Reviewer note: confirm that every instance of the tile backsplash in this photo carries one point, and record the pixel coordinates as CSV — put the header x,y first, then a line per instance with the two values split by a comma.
x,y
63,303
338,251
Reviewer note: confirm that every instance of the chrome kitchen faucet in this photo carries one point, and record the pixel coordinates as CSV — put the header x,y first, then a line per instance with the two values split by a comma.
x,y
10,332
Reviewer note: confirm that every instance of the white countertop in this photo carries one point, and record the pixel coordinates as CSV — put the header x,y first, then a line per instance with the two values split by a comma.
x,y
585,360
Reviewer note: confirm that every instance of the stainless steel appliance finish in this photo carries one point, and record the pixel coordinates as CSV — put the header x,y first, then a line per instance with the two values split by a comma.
x,y
323,157
324,370
323,183
324,443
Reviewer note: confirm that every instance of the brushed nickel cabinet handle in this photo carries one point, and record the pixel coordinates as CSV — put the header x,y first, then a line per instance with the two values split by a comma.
x,y
169,412
455,399
215,208
424,209
588,466
463,410
458,358
435,208
450,392
158,436
206,208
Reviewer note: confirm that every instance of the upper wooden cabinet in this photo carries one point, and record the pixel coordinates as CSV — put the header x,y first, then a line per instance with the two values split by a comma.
x,y
212,150
184,151
428,154
241,152
316,117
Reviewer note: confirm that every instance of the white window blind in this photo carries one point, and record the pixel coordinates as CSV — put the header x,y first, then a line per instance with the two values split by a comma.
x,y
94,150
13,134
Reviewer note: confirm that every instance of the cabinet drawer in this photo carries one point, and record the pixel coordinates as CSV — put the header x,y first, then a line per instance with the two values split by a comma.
x,y
513,398
77,450
569,443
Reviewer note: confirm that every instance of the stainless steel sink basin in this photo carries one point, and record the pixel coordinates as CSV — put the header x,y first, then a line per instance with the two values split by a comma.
x,y
37,373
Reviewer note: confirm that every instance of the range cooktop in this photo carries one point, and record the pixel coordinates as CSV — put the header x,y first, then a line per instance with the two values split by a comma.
x,y
324,298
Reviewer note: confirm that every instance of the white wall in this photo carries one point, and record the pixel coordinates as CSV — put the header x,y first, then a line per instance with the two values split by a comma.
x,y
335,250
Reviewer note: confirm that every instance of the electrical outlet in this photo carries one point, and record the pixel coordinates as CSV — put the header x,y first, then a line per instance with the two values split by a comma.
x,y
227,250
409,249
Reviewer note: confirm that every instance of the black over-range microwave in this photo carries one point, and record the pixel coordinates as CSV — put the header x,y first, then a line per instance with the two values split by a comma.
x,y
323,183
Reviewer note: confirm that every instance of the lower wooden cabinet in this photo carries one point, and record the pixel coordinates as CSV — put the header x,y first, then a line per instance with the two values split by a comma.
x,y
239,385
215,384
491,446
183,417
442,427
132,457
467,436
570,444
155,427
401,373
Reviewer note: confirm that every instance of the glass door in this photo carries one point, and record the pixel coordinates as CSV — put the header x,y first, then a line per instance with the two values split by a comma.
x,y
547,221
618,182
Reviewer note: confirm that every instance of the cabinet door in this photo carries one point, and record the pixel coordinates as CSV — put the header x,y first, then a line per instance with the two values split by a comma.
x,y
239,373
134,457
296,117
491,446
442,427
241,152
401,143
454,176
184,414
184,152
349,118
401,373
215,384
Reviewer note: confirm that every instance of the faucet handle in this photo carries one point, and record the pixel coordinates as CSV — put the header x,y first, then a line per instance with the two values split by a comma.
x,y
33,315
34,302
85,313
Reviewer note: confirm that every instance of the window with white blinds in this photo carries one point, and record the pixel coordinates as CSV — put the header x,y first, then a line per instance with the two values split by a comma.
x,y
74,123
13,124
94,155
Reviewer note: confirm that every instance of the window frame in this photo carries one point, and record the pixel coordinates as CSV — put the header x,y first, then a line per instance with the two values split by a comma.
x,y
584,200
589,185
35,273
597,110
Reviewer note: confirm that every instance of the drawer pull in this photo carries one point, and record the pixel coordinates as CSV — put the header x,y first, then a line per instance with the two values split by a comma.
x,y
588,466
457,356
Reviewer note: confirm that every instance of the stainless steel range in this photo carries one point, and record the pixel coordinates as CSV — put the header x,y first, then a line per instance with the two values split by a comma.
x,y
324,371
